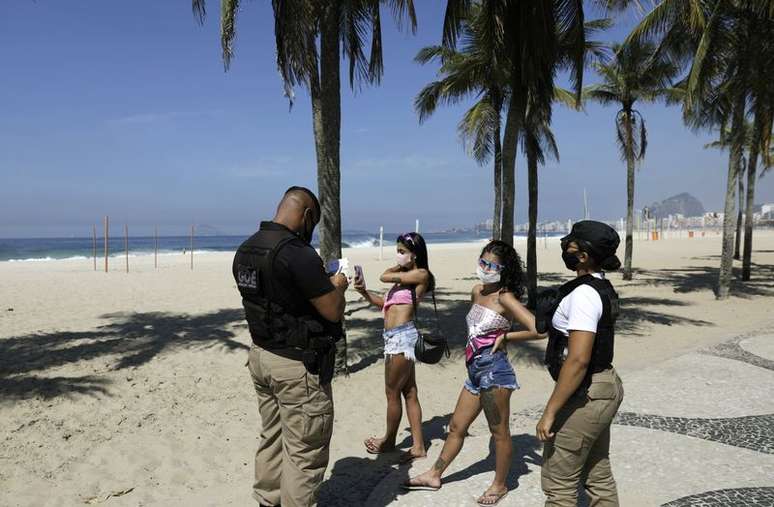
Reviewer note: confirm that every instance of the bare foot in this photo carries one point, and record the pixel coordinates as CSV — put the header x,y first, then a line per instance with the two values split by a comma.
x,y
425,481
492,495
378,445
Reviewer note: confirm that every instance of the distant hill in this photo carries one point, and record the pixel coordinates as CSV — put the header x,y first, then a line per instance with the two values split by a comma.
x,y
684,204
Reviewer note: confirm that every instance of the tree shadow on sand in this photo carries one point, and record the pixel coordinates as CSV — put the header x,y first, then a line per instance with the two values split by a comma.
x,y
127,340
635,319
705,278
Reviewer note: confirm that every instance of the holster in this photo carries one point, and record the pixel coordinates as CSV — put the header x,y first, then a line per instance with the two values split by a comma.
x,y
320,358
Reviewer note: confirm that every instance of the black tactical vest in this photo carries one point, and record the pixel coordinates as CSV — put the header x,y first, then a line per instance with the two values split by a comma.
x,y
276,319
602,351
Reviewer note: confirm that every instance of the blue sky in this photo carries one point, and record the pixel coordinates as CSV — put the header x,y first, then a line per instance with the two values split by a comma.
x,y
124,109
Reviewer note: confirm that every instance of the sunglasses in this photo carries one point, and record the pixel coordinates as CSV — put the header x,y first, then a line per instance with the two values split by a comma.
x,y
490,266
407,240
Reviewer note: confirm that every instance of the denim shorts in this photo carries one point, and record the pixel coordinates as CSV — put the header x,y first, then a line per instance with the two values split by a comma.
x,y
489,370
401,340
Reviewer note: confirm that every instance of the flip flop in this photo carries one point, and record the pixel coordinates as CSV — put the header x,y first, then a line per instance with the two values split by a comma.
x,y
373,448
418,487
496,496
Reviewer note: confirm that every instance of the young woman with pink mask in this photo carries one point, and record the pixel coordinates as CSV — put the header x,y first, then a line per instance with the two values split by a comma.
x,y
411,279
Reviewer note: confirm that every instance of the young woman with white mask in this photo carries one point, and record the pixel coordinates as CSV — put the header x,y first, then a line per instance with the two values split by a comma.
x,y
491,379
411,279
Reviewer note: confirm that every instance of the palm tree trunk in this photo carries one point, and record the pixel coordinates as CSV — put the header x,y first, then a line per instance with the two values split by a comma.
x,y
738,238
752,167
727,252
326,113
328,170
498,184
629,251
630,167
510,143
532,182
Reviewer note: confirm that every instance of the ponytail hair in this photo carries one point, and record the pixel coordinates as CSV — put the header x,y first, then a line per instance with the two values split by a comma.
x,y
512,276
611,263
415,243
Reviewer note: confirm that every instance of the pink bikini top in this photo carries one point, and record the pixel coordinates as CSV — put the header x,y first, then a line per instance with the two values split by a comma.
x,y
397,296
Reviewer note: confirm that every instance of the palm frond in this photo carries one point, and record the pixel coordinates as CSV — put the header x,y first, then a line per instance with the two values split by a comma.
x,y
566,98
601,93
295,32
572,29
456,11
404,10
643,138
376,59
228,14
199,8
356,17
476,130
441,53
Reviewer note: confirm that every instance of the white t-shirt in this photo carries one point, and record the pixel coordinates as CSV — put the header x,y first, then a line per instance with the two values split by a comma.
x,y
580,310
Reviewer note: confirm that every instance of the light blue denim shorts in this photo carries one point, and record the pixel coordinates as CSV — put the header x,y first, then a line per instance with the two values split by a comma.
x,y
489,370
401,340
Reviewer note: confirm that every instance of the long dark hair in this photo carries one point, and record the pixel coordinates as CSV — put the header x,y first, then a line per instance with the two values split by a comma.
x,y
415,243
512,276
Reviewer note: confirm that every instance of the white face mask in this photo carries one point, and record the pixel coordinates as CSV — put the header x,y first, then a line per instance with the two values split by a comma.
x,y
487,276
404,259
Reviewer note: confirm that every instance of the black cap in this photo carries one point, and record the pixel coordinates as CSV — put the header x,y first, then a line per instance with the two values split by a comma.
x,y
597,239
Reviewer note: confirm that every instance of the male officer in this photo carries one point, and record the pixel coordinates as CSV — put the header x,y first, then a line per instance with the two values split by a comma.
x,y
294,312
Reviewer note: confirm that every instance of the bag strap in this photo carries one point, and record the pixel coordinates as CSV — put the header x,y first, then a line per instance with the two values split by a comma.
x,y
269,282
270,258
435,312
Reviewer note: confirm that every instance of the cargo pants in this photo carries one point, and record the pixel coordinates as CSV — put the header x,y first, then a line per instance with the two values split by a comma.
x,y
579,451
297,423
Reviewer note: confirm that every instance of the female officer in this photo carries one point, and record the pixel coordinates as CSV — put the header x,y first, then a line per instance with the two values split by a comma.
x,y
581,324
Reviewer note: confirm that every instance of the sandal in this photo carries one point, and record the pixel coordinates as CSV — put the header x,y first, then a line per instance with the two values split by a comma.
x,y
496,496
372,447
407,486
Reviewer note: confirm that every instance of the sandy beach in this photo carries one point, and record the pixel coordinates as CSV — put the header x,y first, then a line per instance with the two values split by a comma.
x,y
135,385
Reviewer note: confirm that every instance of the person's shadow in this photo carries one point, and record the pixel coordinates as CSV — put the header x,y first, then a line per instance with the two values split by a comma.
x,y
525,452
353,478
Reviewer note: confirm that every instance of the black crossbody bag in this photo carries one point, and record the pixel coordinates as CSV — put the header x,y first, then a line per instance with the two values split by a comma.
x,y
430,348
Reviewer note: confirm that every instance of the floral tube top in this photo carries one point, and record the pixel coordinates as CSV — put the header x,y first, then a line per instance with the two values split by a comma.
x,y
484,326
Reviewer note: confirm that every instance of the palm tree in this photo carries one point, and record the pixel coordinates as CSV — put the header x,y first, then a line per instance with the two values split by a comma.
x,y
538,142
310,36
636,73
541,38
723,142
475,69
725,44
762,104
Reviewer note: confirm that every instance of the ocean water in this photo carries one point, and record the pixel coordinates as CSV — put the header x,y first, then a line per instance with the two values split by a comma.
x,y
46,249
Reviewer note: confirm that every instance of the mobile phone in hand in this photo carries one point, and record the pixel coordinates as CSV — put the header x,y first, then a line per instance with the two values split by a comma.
x,y
358,272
